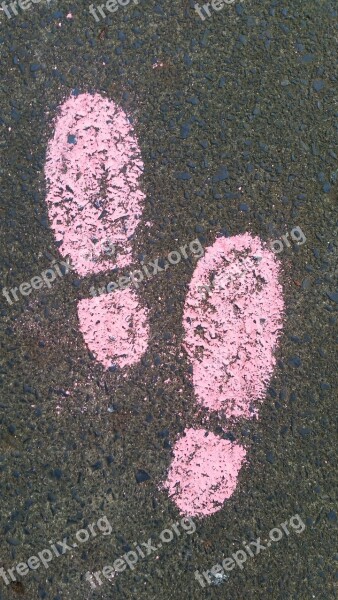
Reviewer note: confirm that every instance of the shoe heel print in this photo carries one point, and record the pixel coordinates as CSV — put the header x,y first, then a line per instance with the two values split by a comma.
x,y
94,200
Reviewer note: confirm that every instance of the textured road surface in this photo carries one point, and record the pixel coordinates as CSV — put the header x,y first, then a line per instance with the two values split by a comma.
x,y
237,120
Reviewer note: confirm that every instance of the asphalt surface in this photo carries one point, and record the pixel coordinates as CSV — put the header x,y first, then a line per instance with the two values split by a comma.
x,y
237,122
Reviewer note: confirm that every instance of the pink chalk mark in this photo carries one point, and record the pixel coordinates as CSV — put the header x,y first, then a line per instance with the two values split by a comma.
x,y
203,473
230,336
93,168
115,328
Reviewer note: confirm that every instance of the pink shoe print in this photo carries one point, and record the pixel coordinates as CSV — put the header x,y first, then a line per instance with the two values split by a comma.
x,y
230,338
94,200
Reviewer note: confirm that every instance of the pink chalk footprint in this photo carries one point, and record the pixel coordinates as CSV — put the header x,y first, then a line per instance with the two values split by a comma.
x,y
92,170
230,338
